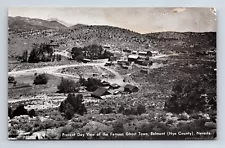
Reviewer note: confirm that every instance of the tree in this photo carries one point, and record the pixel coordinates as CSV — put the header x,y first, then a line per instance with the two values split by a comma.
x,y
20,110
68,86
41,79
73,104
92,84
25,56
76,51
11,79
187,96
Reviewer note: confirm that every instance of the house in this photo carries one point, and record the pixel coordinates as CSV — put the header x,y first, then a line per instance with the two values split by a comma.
x,y
132,57
114,86
99,92
130,88
134,52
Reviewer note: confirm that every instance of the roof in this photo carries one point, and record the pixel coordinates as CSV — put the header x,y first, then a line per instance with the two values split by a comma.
x,y
114,85
133,56
100,92
142,52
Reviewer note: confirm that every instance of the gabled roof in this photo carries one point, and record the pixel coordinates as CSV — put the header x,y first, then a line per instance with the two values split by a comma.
x,y
100,92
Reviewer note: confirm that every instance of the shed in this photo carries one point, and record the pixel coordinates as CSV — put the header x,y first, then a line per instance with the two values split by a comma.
x,y
130,88
114,86
99,92
132,57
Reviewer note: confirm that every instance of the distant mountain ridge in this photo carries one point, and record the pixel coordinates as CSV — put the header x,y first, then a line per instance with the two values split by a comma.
x,y
25,23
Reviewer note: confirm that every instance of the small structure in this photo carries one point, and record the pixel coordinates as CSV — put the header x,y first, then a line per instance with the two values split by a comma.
x,y
144,71
130,88
114,86
124,66
104,83
99,92
127,50
132,57
86,60
108,64
144,53
154,53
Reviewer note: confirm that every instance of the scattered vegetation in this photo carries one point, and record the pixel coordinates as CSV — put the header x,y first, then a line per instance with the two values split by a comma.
x,y
68,86
73,104
41,79
186,97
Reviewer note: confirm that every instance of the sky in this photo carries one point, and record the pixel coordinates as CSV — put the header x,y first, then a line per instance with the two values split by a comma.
x,y
142,20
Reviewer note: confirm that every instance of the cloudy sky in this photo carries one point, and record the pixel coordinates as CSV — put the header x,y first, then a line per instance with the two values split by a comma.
x,y
142,20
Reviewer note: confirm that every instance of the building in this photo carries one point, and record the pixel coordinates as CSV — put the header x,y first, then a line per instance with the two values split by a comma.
x,y
132,57
86,60
130,88
114,86
154,53
100,92
134,52
143,53
144,71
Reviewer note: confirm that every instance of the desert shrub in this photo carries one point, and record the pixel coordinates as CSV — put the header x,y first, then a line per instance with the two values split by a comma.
x,y
186,97
106,110
41,79
73,104
40,53
121,109
118,127
32,113
68,86
130,111
141,109
25,56
11,79
13,133
20,110
91,83
10,115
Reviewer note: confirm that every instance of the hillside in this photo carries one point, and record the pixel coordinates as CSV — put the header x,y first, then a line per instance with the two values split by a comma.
x,y
183,40
29,31
25,24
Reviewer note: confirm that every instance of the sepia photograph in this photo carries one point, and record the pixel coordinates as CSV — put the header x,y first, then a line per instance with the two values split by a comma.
x,y
105,73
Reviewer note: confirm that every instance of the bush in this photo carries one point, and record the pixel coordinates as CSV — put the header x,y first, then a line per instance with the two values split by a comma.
x,y
20,110
11,79
91,83
73,104
68,86
41,79
106,110
141,109
10,114
32,113
186,97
